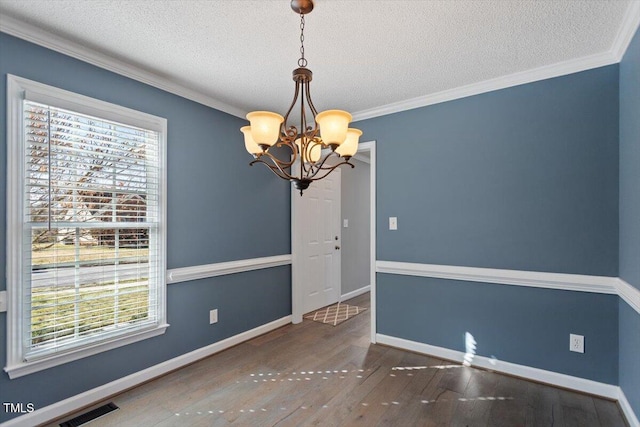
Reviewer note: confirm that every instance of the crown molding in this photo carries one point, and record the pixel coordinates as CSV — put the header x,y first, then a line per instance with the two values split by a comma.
x,y
75,50
503,82
627,30
46,39
630,24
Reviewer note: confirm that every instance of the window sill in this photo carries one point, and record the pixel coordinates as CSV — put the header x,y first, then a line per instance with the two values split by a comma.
x,y
17,370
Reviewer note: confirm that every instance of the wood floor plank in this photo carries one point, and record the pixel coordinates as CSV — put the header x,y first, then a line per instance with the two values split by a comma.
x,y
609,413
350,399
456,377
474,408
544,407
312,374
441,408
410,407
509,406
373,392
578,410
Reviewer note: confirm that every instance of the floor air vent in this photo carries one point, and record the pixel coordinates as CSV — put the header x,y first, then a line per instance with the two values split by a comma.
x,y
90,416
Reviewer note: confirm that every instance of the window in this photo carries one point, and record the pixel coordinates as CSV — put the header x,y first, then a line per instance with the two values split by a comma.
x,y
86,240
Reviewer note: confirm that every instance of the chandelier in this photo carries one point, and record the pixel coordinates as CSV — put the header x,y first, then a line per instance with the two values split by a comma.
x,y
317,146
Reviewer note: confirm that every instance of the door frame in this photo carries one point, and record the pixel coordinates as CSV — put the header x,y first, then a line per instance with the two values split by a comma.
x,y
303,210
296,294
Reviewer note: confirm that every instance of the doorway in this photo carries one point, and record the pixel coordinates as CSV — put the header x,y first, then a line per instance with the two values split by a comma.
x,y
316,242
301,265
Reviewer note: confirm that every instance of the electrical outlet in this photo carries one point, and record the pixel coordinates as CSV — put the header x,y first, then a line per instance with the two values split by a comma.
x,y
213,316
576,343
345,223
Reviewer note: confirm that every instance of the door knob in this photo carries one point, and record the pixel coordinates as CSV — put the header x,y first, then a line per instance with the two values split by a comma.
x,y
337,247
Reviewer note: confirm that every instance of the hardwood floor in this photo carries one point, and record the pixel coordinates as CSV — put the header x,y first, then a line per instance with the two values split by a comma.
x,y
314,374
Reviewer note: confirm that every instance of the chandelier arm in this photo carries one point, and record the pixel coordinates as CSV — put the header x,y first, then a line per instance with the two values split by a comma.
x,y
290,145
306,164
341,163
284,175
303,132
305,167
310,102
320,166
329,170
314,167
311,138
281,165
293,103
308,168
275,169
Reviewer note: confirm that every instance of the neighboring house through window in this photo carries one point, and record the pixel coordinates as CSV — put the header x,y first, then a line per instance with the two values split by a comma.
x,y
86,226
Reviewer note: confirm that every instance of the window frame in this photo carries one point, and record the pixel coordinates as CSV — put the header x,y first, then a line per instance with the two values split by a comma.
x,y
19,89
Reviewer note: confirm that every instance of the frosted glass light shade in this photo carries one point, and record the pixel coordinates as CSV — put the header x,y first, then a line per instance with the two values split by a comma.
x,y
350,145
314,151
249,143
333,126
265,126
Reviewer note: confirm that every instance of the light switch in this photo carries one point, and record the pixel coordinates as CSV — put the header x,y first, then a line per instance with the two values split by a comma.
x,y
213,316
393,223
345,223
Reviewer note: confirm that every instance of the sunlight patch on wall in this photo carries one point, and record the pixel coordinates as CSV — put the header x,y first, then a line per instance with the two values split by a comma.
x,y
470,349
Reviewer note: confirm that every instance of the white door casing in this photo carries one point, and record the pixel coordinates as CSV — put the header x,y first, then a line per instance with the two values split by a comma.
x,y
316,245
297,270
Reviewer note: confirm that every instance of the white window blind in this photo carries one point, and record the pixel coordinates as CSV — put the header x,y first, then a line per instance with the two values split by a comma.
x,y
91,231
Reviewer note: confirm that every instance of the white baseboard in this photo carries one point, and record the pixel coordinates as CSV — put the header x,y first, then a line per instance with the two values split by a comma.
x,y
632,419
356,293
548,377
103,392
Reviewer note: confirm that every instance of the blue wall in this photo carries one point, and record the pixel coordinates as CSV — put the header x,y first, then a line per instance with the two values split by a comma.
x,y
528,326
523,178
214,198
630,164
630,218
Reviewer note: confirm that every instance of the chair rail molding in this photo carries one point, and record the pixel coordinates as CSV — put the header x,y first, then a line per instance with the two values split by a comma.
x,y
185,274
535,279
629,294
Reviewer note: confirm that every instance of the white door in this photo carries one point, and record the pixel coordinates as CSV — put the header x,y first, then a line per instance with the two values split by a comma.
x,y
316,231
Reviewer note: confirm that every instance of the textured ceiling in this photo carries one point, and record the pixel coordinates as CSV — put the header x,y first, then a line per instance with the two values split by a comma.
x,y
363,55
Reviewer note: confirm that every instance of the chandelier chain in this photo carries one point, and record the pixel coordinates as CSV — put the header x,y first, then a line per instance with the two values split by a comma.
x,y
302,62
